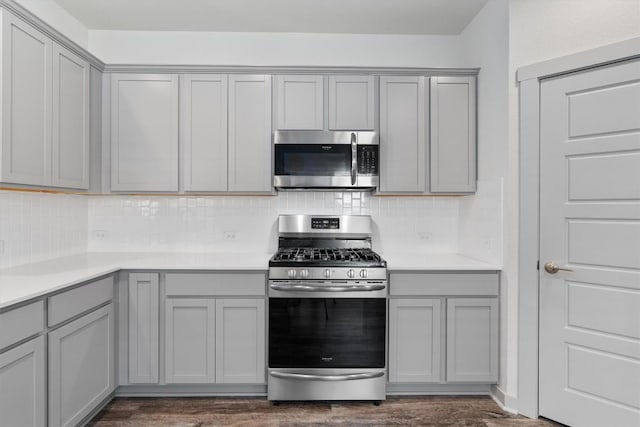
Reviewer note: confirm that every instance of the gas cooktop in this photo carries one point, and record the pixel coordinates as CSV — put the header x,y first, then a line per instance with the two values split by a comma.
x,y
311,257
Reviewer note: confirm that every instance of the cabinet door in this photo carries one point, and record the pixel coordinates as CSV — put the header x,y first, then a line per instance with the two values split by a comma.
x,y
414,340
240,345
472,340
204,131
190,335
144,132
81,366
250,133
70,120
26,103
453,134
402,134
351,102
22,386
144,322
300,102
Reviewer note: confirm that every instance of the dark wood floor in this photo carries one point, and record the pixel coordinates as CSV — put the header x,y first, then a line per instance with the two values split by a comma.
x,y
396,411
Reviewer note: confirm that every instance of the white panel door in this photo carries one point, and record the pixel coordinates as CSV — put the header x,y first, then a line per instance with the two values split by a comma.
x,y
402,134
144,324
414,340
22,385
81,366
590,224
300,102
240,341
144,132
26,103
351,102
70,120
190,340
453,134
204,131
250,133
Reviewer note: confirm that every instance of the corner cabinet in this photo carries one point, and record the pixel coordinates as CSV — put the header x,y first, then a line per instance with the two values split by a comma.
x,y
144,132
443,327
453,134
45,110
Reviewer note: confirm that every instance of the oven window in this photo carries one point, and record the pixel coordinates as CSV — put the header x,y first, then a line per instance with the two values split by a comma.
x,y
313,159
327,332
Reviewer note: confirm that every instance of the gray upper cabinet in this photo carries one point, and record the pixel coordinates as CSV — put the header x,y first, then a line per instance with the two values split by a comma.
x,y
453,134
203,116
45,103
402,134
249,162
70,120
352,103
26,103
300,102
144,132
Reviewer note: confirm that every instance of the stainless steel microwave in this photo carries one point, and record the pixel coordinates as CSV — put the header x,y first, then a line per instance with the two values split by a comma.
x,y
326,160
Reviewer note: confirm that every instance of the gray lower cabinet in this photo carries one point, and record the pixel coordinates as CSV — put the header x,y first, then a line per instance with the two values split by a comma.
x,y
414,340
472,340
144,322
22,385
81,366
443,327
214,340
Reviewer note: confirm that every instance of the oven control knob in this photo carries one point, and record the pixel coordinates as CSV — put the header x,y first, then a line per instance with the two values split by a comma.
x,y
327,273
351,274
364,274
304,274
291,273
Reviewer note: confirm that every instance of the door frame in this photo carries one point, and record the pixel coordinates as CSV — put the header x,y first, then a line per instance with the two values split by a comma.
x,y
529,79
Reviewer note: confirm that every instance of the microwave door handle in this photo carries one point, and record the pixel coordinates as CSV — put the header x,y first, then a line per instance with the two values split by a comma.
x,y
354,158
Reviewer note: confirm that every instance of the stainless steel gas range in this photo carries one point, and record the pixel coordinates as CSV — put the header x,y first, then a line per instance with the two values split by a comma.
x,y
327,311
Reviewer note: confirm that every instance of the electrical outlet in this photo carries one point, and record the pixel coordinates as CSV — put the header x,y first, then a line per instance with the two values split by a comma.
x,y
424,236
229,235
98,234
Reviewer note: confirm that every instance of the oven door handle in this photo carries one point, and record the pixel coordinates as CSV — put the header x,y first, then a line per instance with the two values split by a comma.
x,y
312,288
308,377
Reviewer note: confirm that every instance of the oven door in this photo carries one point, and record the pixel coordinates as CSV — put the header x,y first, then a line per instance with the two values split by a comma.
x,y
328,332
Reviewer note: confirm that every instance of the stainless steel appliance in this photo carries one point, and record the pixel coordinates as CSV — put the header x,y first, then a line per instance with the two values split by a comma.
x,y
327,311
326,160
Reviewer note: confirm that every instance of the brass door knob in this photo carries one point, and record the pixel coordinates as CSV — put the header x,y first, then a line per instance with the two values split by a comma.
x,y
552,268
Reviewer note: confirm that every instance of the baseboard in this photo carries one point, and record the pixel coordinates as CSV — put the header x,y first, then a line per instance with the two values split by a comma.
x,y
506,402
191,390
408,389
97,409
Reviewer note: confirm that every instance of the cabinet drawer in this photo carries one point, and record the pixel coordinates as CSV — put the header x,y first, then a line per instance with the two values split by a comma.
x,y
20,323
472,283
212,284
71,303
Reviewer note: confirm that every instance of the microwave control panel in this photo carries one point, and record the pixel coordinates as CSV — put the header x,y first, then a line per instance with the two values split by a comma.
x,y
325,223
368,159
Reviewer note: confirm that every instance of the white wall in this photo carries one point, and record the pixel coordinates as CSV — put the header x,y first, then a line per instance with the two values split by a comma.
x,y
35,227
187,224
485,44
53,14
273,49
540,30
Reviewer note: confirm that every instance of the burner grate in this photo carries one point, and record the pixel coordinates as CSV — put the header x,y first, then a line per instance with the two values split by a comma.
x,y
327,255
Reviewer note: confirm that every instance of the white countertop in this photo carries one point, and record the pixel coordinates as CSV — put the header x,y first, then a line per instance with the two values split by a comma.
x,y
21,283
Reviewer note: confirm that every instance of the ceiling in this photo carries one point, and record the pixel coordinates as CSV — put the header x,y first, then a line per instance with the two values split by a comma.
x,y
448,17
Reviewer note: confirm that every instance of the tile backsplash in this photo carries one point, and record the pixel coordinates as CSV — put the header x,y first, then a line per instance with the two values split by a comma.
x,y
39,226
248,224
